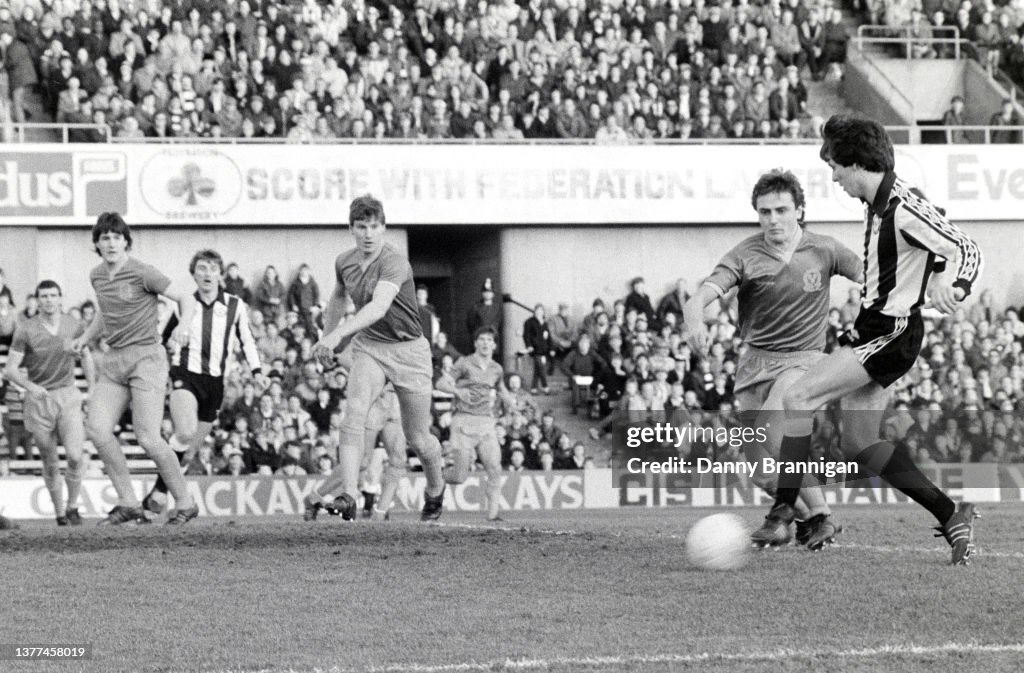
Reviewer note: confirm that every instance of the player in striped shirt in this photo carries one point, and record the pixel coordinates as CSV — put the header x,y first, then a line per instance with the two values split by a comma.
x,y
905,237
219,324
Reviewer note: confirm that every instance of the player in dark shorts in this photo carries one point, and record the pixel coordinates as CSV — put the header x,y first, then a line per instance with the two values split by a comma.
x,y
220,323
53,403
387,346
905,235
134,368
783,275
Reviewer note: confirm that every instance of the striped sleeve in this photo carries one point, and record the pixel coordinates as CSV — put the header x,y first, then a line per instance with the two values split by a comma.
x,y
245,337
929,228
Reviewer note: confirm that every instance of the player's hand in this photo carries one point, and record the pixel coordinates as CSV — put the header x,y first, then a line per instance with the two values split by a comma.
x,y
697,337
35,390
179,336
261,381
945,297
77,345
323,351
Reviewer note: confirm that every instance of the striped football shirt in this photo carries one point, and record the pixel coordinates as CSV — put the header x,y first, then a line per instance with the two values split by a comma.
x,y
216,330
904,237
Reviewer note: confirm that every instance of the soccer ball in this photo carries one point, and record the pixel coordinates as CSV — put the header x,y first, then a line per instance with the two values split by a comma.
x,y
719,542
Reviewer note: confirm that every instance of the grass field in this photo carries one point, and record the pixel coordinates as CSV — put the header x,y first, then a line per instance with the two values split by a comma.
x,y
599,590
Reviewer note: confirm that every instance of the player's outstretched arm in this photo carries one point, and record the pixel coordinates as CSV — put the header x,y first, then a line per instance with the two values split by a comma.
x,y
13,373
383,295
335,309
186,302
248,341
91,332
693,316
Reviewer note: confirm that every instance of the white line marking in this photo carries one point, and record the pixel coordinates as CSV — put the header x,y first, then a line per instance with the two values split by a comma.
x,y
618,661
705,657
978,552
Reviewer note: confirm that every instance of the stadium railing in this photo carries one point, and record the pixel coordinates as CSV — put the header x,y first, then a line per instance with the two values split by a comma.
x,y
901,135
869,35
32,132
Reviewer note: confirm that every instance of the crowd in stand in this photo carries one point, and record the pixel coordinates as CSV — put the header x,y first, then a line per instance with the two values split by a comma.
x,y
993,30
960,403
615,71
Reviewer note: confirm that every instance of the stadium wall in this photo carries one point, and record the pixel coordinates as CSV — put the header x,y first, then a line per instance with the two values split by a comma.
x,y
225,496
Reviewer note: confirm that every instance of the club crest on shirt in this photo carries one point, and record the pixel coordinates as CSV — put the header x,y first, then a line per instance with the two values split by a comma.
x,y
126,292
220,310
812,280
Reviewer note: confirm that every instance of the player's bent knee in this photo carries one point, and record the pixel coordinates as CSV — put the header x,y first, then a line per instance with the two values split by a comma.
x,y
148,440
424,442
796,400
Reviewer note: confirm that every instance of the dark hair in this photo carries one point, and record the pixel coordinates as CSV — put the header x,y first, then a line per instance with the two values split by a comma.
x,y
206,255
486,329
779,181
47,285
365,207
111,222
849,141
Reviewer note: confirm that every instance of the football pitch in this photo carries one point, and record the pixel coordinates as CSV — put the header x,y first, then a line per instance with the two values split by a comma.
x,y
591,590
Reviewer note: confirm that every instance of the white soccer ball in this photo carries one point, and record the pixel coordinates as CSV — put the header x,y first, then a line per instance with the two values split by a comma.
x,y
719,542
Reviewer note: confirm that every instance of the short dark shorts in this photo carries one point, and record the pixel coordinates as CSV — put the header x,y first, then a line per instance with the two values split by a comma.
x,y
887,346
208,391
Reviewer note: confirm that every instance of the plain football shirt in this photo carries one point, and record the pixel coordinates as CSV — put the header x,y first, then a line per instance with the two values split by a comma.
x,y
783,306
402,320
128,302
481,377
48,359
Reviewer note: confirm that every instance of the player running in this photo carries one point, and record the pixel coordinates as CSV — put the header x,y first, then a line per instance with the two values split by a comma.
x,y
476,381
387,345
134,369
219,323
53,403
783,275
904,236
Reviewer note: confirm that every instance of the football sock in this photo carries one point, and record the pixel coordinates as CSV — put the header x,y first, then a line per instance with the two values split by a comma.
x,y
159,486
794,448
73,479
51,477
901,473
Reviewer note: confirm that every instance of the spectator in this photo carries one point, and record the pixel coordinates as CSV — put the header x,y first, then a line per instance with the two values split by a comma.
x,y
485,313
21,71
269,296
5,289
8,319
585,363
638,300
537,338
235,284
303,296
563,333
920,31
428,314
1007,116
836,39
954,118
